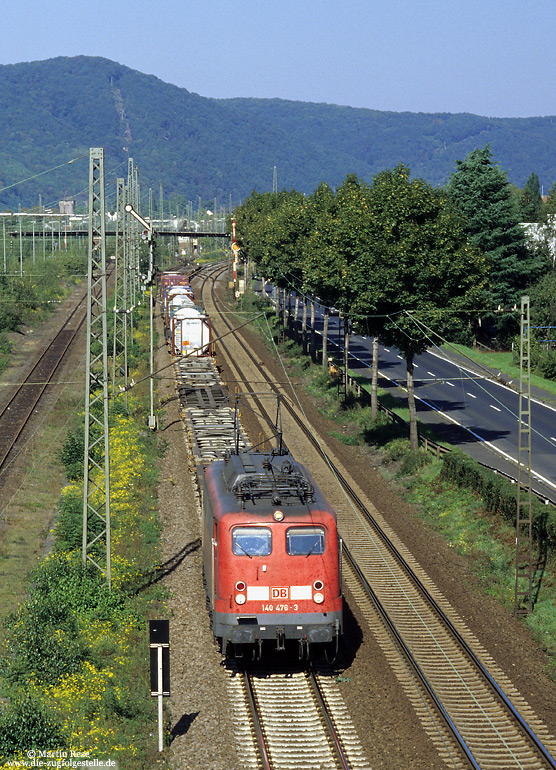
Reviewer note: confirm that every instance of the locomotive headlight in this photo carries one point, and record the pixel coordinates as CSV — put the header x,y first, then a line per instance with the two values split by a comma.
x,y
240,599
240,585
318,598
278,515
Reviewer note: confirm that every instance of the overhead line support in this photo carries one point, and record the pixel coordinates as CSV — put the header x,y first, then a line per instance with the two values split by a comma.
x,y
523,598
96,490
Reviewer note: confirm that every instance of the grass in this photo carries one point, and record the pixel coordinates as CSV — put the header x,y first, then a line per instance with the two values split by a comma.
x,y
29,508
485,540
488,544
501,362
75,663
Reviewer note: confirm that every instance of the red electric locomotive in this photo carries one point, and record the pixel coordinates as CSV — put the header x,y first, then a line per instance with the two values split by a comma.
x,y
271,556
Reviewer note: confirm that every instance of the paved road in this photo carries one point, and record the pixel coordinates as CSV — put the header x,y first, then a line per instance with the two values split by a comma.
x,y
465,404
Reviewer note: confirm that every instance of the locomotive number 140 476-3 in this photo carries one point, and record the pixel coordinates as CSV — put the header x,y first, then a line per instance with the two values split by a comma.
x,y
280,607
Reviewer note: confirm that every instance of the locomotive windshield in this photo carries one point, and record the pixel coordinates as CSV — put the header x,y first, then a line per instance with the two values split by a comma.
x,y
304,541
251,541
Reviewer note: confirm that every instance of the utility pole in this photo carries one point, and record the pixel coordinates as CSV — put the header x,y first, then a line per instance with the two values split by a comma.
x,y
523,601
132,250
148,234
96,484
275,181
20,249
120,295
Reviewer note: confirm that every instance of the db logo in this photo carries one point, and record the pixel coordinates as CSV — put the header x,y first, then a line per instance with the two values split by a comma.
x,y
279,593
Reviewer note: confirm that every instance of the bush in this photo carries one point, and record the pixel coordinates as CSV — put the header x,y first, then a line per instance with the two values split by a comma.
x,y
69,525
26,725
82,588
414,460
547,364
398,449
72,454
44,642
499,495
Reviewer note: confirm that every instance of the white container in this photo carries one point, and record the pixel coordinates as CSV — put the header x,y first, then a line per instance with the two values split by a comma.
x,y
190,332
171,294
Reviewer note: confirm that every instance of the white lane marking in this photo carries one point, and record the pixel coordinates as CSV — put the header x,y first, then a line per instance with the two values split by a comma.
x,y
472,396
495,407
400,357
416,366
432,374
495,382
451,384
489,444
386,350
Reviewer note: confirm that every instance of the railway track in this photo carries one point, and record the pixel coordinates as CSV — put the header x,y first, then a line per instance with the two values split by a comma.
x,y
23,402
471,711
289,718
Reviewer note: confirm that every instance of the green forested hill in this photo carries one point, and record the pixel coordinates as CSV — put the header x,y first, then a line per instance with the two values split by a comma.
x,y
54,110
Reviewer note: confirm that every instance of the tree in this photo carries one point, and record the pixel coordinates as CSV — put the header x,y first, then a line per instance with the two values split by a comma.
x,y
417,270
318,280
543,301
530,202
337,241
481,192
549,208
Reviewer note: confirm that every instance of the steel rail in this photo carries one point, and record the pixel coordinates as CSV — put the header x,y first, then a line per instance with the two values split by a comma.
x,y
330,726
539,746
17,412
390,625
257,725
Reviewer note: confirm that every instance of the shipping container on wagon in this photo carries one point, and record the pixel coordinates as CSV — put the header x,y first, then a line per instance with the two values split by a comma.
x,y
190,331
170,293
178,301
173,279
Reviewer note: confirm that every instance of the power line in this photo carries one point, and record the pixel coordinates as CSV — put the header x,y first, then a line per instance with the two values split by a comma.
x,y
41,173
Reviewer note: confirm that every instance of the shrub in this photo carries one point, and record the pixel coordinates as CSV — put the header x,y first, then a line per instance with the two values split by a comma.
x,y
498,494
24,725
398,449
413,460
547,364
44,642
72,454
382,429
69,525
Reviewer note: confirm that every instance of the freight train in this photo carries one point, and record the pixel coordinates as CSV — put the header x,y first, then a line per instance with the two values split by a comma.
x,y
188,328
271,555
270,544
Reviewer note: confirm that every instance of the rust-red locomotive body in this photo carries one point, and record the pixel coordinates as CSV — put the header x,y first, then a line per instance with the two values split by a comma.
x,y
271,555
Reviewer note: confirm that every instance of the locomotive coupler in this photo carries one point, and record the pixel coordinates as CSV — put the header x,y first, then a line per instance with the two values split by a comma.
x,y
280,639
303,649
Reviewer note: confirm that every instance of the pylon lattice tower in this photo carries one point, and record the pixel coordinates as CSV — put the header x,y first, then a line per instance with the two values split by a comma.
x,y
96,484
120,332
523,599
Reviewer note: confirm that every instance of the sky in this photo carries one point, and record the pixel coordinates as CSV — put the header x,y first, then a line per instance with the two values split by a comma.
x,y
489,57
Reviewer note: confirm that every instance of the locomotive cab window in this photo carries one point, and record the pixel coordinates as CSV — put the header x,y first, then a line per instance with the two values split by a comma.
x,y
305,541
251,541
